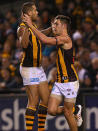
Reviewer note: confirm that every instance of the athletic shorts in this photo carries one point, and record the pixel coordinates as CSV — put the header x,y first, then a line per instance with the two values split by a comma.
x,y
67,90
32,75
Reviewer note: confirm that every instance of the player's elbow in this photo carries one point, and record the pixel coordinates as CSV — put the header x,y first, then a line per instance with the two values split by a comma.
x,y
47,41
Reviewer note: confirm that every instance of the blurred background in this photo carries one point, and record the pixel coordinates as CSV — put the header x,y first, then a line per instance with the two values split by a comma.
x,y
84,33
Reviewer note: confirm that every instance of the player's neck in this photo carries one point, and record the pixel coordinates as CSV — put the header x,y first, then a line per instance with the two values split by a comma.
x,y
64,32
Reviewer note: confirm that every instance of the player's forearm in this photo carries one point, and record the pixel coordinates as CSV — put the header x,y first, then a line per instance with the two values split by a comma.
x,y
40,35
47,31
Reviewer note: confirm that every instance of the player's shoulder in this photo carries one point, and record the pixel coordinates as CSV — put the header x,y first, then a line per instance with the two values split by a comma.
x,y
20,29
21,26
65,38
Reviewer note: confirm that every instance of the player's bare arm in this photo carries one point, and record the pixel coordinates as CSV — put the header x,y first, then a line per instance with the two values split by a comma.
x,y
23,36
47,31
59,40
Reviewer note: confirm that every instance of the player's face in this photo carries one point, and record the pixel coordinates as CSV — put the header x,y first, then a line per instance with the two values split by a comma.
x,y
57,27
34,13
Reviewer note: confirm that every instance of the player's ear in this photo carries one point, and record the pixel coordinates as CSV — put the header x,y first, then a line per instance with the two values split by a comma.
x,y
28,13
64,26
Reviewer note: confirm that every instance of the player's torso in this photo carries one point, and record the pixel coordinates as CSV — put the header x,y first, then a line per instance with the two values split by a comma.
x,y
32,54
65,65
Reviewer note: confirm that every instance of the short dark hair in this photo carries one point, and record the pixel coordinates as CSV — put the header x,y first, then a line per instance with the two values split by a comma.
x,y
27,7
64,19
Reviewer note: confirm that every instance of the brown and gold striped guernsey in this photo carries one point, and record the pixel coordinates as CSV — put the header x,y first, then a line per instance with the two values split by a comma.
x,y
65,65
32,54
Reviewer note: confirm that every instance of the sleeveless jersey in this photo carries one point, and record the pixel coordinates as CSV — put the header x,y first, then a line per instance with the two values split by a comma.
x,y
32,54
65,65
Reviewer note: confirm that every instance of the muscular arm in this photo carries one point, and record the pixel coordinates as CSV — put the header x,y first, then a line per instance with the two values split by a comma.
x,y
59,40
47,31
51,40
42,37
23,36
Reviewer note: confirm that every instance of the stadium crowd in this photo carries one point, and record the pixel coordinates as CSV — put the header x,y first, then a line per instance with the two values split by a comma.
x,y
84,33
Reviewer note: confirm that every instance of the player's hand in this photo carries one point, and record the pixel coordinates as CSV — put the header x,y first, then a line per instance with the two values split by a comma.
x,y
27,20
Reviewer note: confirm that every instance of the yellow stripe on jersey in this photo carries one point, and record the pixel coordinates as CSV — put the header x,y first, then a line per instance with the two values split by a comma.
x,y
59,78
35,49
22,58
40,50
63,65
23,24
72,66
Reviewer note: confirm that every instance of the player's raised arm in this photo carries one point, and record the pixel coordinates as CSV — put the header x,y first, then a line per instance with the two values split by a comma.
x,y
47,40
39,34
47,31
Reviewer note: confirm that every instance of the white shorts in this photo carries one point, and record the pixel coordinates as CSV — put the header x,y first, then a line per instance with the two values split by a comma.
x,y
67,90
32,75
